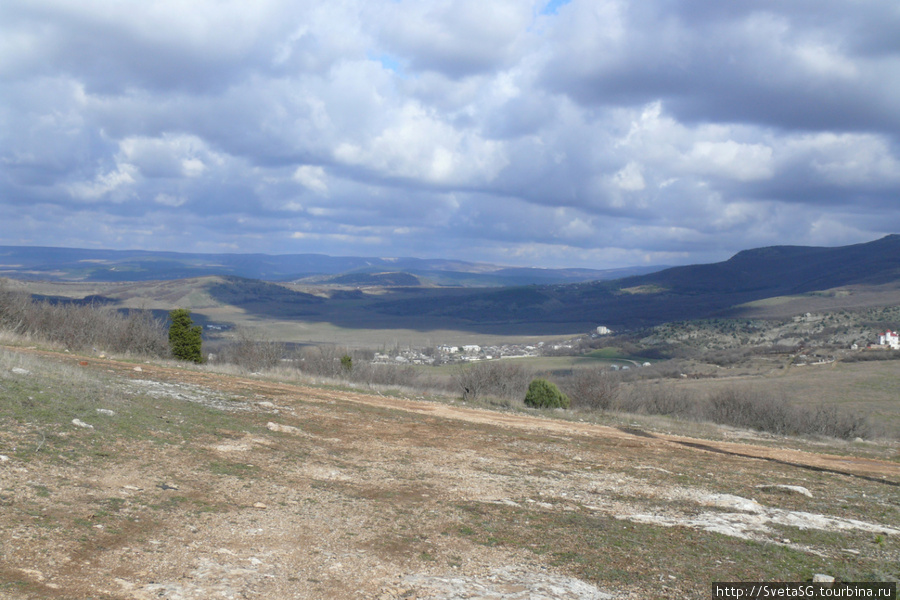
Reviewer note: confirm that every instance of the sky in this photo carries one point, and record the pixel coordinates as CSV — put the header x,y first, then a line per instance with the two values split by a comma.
x,y
582,133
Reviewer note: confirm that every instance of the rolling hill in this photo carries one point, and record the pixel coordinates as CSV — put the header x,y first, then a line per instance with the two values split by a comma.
x,y
86,265
678,293
380,298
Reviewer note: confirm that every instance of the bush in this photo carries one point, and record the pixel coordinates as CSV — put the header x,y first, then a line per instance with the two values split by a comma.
x,y
507,381
544,394
592,389
185,338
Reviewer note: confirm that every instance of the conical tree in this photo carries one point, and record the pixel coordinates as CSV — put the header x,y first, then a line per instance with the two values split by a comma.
x,y
185,339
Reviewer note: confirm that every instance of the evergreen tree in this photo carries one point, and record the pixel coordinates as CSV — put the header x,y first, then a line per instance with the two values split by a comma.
x,y
185,339
544,394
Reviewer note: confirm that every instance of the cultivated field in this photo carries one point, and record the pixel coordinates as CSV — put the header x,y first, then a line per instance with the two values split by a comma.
x,y
132,480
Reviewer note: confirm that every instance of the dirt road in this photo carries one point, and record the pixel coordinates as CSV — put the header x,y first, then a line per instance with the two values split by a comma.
x,y
193,484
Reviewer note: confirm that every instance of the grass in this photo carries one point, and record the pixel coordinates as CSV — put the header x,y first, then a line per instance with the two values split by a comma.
x,y
619,553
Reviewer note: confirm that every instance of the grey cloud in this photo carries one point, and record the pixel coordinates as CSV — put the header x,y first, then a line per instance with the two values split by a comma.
x,y
611,131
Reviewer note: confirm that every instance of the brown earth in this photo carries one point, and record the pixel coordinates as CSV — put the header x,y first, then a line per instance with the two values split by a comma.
x,y
311,492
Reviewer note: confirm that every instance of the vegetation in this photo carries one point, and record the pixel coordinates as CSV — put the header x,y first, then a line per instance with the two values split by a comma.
x,y
82,326
544,394
185,338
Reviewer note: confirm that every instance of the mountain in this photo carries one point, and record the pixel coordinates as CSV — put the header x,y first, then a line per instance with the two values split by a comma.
x,y
86,265
678,293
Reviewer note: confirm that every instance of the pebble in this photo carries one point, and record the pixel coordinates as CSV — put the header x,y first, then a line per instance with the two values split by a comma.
x,y
260,506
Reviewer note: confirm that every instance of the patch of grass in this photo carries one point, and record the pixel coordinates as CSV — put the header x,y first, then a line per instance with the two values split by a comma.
x,y
233,469
615,552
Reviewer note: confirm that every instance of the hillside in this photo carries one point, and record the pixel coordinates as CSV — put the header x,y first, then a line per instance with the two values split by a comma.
x,y
796,279
678,293
85,265
131,481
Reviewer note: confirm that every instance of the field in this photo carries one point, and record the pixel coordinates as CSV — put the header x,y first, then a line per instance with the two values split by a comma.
x,y
185,483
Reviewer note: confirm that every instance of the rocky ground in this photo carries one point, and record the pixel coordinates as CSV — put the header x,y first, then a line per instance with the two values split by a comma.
x,y
121,480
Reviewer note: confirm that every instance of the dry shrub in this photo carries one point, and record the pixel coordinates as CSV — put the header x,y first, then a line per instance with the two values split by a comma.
x,y
502,380
592,389
251,354
79,327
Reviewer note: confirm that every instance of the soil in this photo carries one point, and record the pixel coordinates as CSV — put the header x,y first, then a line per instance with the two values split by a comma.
x,y
312,492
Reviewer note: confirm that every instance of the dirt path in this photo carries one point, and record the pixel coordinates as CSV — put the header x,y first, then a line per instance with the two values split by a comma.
x,y
884,471
184,484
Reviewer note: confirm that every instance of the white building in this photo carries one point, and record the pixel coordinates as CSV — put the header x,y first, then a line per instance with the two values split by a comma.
x,y
890,338
603,330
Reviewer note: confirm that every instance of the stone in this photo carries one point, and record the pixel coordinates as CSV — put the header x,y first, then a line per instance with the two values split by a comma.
x,y
260,505
82,424
20,371
820,578
787,489
138,370
106,411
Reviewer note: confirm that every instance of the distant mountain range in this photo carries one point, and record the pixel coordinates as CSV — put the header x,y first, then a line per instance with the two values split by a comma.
x,y
78,264
367,293
677,293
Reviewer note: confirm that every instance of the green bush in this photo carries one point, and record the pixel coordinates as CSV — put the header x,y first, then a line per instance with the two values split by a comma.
x,y
543,394
185,339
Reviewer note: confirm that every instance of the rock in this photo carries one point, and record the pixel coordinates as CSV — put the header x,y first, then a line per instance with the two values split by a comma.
x,y
787,489
3,458
20,371
168,486
260,506
138,370
106,411
82,424
820,578
283,428
265,404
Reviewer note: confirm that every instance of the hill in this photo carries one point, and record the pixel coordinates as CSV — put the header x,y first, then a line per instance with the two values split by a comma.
x,y
794,279
678,293
125,480
86,265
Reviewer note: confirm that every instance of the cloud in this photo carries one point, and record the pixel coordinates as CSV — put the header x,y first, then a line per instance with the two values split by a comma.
x,y
582,133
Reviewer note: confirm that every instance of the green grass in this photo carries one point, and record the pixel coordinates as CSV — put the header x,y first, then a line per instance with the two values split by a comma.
x,y
615,552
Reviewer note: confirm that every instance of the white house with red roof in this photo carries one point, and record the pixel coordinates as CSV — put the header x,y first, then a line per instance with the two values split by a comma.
x,y
889,338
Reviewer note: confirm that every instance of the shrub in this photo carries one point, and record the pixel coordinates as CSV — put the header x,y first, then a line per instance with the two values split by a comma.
x,y
544,394
503,380
346,363
592,389
185,339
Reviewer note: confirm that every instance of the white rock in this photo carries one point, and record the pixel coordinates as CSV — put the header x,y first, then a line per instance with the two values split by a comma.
x,y
20,371
3,458
820,578
82,424
106,411
788,489
283,428
138,369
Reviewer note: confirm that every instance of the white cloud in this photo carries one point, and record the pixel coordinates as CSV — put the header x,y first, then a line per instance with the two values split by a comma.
x,y
312,178
106,184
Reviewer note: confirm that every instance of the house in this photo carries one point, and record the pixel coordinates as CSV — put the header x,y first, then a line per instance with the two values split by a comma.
x,y
890,338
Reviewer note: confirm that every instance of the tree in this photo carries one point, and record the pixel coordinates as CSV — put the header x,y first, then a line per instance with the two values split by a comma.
x,y
346,363
543,394
185,338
